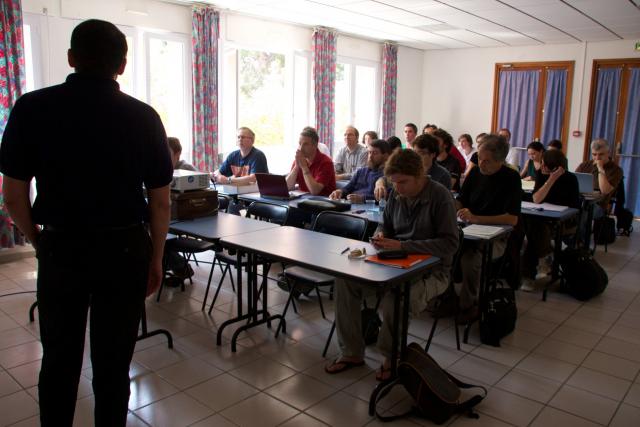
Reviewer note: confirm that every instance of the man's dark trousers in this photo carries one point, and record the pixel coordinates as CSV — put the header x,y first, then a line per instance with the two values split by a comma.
x,y
104,272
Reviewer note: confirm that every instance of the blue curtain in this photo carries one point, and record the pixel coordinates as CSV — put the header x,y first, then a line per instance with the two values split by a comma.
x,y
555,94
631,142
518,97
604,115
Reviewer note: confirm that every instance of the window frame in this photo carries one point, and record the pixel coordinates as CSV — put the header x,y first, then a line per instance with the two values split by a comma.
x,y
542,67
377,110
144,91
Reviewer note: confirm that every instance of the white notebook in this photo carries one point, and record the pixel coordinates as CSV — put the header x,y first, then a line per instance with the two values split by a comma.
x,y
482,231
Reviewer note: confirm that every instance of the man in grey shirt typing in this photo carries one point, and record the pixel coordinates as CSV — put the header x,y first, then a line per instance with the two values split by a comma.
x,y
419,218
350,157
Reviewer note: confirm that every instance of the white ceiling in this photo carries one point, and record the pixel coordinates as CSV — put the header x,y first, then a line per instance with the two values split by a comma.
x,y
448,24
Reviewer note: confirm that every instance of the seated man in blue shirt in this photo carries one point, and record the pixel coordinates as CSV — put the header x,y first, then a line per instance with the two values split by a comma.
x,y
241,165
361,185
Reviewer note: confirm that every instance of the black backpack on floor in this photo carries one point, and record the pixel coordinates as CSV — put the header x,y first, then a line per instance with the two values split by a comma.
x,y
583,277
498,318
436,393
604,230
624,222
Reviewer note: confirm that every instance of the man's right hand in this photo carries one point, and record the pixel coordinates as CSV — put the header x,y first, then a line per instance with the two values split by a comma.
x,y
337,194
380,192
155,277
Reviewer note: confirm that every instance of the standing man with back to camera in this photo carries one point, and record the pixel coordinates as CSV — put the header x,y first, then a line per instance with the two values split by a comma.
x,y
89,226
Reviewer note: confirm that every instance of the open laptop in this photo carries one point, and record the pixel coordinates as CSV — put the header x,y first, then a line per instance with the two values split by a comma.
x,y
585,183
272,186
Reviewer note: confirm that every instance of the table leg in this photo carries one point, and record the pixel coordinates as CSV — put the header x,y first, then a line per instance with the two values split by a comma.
x,y
253,312
146,334
557,250
240,316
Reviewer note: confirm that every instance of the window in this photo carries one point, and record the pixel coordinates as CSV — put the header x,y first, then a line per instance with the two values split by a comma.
x,y
532,101
357,97
169,85
127,79
32,52
269,93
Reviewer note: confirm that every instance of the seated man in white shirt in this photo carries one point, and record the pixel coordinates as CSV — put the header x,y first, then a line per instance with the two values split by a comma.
x,y
350,157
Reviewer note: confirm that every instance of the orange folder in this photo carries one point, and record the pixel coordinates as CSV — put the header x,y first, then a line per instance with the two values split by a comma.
x,y
407,262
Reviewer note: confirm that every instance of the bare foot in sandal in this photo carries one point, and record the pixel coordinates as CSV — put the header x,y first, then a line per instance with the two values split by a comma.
x,y
384,373
342,364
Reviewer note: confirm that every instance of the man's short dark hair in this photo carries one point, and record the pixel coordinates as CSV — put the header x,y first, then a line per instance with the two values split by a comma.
x,y
174,144
98,47
497,145
466,137
535,145
372,134
381,145
429,126
426,142
310,132
446,138
555,143
405,162
394,142
412,126
554,159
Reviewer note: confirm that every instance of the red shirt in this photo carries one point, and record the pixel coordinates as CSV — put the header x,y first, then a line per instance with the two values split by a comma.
x,y
322,171
458,156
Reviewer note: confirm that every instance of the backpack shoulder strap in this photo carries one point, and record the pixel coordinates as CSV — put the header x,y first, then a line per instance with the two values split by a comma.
x,y
378,394
469,404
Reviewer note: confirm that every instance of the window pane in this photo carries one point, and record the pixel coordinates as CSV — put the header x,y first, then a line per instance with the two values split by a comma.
x,y
167,86
262,102
343,103
301,95
28,57
126,79
365,99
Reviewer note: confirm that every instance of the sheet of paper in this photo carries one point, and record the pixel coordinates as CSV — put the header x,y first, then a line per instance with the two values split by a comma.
x,y
544,207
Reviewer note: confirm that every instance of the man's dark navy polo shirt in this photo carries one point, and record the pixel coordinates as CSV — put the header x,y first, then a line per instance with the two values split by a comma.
x,y
90,148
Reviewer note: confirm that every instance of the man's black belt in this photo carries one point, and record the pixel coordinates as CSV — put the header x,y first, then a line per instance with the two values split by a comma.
x,y
108,229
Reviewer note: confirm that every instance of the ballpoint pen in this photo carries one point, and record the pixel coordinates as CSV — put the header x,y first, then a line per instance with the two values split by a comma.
x,y
345,251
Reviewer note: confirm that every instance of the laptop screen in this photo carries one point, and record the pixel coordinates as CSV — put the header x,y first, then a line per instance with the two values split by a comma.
x,y
272,185
585,182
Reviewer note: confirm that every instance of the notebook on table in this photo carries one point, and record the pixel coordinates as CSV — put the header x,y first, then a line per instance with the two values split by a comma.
x,y
409,261
272,186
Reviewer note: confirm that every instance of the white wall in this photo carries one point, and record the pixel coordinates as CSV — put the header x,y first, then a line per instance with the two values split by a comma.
x,y
409,94
458,84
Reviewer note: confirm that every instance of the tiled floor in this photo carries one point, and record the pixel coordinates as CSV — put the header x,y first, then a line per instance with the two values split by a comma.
x,y
567,364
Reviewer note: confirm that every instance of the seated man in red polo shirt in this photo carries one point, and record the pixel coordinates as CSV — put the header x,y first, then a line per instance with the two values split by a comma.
x,y
311,170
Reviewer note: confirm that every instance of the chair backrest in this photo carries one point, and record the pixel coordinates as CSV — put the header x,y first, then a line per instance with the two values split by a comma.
x,y
234,207
341,224
223,202
270,212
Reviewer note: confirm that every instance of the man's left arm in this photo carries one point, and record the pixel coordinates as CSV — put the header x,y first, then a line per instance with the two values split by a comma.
x,y
159,216
18,204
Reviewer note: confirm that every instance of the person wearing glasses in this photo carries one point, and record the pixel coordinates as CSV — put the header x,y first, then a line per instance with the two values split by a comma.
x,y
240,167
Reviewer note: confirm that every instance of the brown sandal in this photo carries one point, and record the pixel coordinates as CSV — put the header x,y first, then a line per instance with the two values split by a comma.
x,y
346,365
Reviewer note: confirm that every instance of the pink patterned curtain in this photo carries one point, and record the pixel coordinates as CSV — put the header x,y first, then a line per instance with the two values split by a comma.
x,y
12,85
324,82
389,80
204,42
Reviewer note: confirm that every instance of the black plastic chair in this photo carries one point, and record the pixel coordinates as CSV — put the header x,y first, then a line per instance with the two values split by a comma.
x,y
258,210
189,247
328,222
454,265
